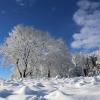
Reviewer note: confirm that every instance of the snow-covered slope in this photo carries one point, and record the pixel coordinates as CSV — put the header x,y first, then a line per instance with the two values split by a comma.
x,y
79,88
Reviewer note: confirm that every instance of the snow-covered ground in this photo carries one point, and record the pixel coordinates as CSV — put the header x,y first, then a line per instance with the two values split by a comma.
x,y
81,88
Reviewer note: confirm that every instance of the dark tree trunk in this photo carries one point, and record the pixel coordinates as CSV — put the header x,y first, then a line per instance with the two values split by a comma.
x,y
49,73
24,72
18,68
85,72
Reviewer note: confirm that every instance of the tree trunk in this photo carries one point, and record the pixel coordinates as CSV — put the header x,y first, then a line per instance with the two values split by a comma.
x,y
85,72
18,68
24,74
49,73
25,70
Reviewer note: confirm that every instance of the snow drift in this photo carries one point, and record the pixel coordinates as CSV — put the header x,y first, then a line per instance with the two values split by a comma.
x,y
78,88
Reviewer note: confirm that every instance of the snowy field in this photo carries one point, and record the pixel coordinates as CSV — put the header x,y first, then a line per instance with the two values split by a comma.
x,y
81,88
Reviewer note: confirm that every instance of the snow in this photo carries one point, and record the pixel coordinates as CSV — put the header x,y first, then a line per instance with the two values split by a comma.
x,y
78,88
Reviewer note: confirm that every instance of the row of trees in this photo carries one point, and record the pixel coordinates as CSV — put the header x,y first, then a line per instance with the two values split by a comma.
x,y
86,65
35,53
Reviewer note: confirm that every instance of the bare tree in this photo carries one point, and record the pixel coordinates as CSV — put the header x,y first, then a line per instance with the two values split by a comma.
x,y
23,48
33,52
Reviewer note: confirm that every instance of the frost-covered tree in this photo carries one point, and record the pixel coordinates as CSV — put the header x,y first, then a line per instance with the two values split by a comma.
x,y
77,61
34,52
81,63
23,48
86,64
58,59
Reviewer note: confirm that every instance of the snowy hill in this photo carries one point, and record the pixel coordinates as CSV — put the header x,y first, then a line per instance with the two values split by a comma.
x,y
79,88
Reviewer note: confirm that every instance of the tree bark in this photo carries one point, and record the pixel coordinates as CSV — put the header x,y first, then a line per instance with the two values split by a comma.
x,y
49,73
18,68
24,73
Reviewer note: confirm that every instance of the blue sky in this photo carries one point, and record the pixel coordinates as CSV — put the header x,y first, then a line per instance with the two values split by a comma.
x,y
62,18
54,16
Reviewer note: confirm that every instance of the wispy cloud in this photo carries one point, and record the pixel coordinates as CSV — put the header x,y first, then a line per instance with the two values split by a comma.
x,y
25,2
3,11
53,9
88,18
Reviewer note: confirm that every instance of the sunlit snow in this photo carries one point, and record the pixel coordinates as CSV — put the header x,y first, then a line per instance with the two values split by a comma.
x,y
79,88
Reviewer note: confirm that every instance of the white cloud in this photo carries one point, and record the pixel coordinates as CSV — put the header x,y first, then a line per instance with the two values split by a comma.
x,y
88,18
